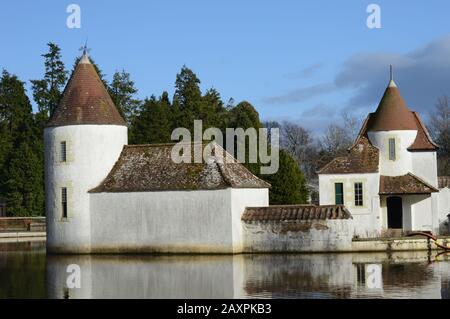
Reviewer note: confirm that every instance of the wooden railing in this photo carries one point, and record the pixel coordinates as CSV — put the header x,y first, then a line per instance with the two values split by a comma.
x,y
22,224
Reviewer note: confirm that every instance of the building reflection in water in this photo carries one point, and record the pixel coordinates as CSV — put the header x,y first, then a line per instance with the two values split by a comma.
x,y
26,272
403,275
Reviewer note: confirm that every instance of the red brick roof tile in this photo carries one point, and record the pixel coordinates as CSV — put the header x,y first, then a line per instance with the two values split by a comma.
x,y
143,168
85,100
295,213
406,184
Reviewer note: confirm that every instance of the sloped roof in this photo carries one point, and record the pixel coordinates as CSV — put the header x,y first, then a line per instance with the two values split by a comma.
x,y
392,113
423,141
295,213
362,157
144,168
444,181
85,100
406,184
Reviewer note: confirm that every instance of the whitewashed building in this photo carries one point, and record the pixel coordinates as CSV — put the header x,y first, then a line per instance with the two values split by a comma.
x,y
388,179
105,196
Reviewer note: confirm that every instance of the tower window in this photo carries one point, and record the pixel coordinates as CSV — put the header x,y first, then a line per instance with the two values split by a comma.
x,y
339,193
359,194
392,149
64,202
63,149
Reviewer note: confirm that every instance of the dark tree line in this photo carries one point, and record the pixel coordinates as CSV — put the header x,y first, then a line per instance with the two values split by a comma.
x,y
150,121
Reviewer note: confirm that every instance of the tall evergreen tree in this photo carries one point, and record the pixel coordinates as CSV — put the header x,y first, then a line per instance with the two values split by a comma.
x,y
187,99
47,91
245,116
288,184
21,175
214,112
122,92
152,124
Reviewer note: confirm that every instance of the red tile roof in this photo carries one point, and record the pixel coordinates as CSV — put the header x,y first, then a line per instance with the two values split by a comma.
x,y
144,168
85,100
295,213
423,141
392,113
406,184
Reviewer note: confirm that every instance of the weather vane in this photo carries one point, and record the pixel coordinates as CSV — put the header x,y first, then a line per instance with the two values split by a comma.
x,y
85,48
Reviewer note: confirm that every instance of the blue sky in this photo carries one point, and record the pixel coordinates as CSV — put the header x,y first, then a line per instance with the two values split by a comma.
x,y
305,61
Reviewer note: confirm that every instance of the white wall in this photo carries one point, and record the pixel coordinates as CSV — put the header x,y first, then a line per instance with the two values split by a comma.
x,y
443,205
240,199
403,162
302,236
424,165
417,212
366,218
92,151
203,221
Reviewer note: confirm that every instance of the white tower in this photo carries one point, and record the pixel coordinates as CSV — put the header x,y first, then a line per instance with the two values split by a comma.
x,y
83,139
403,141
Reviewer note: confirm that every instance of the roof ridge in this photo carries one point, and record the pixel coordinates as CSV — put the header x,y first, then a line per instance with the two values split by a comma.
x,y
168,144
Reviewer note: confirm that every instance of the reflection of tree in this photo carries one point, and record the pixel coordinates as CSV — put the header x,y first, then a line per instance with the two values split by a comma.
x,y
22,270
406,275
294,276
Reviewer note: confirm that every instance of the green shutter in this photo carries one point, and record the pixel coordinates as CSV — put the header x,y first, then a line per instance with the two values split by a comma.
x,y
339,193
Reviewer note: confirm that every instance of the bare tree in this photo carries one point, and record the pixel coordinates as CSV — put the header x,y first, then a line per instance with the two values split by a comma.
x,y
299,142
352,124
336,140
440,130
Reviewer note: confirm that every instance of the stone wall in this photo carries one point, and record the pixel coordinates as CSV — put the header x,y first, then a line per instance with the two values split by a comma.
x,y
298,236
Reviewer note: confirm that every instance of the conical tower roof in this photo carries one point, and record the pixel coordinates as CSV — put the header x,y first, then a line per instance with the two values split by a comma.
x,y
85,100
392,113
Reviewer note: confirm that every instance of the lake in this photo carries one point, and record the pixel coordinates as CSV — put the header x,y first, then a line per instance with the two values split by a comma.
x,y
27,272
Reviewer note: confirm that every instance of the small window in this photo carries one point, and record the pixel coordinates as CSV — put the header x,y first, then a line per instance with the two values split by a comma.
x,y
64,202
359,194
392,149
361,274
63,156
339,193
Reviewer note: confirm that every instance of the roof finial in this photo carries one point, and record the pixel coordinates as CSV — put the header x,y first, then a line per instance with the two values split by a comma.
x,y
85,56
391,76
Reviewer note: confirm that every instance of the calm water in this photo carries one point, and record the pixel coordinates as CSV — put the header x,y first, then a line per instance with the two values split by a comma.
x,y
26,272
